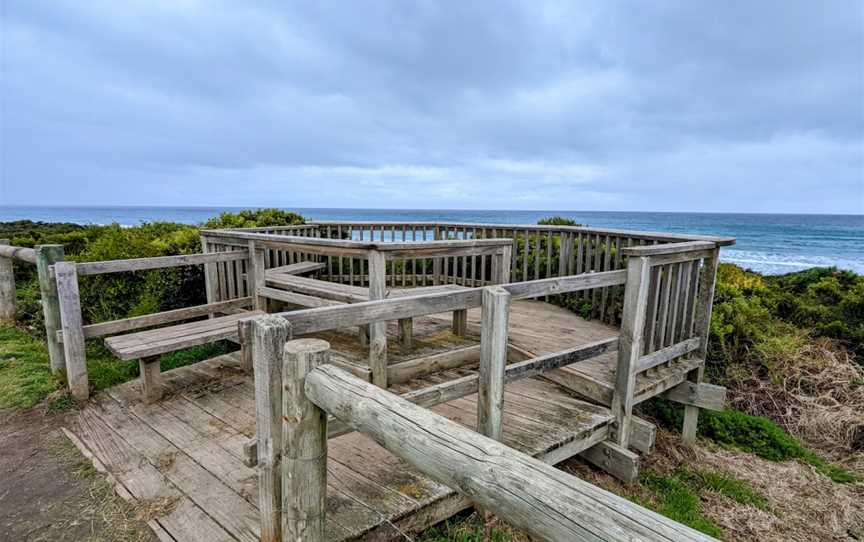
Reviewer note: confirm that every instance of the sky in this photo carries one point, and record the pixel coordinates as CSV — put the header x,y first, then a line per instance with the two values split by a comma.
x,y
733,106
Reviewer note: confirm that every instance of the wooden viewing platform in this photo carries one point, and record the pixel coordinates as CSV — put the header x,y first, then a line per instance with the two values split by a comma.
x,y
188,448
408,318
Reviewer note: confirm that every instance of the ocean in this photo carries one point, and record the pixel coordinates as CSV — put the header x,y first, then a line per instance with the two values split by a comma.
x,y
767,243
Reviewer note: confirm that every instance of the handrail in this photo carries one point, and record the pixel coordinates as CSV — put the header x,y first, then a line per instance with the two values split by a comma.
x,y
402,246
23,254
635,234
158,262
547,503
327,318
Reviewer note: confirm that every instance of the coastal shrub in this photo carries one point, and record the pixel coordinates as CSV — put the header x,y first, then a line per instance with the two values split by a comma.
x,y
558,221
254,219
121,295
754,434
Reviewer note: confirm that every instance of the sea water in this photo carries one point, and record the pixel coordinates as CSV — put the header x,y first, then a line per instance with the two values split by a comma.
x,y
767,243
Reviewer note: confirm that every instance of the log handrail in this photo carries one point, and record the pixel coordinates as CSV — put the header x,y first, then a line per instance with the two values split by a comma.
x,y
23,254
546,502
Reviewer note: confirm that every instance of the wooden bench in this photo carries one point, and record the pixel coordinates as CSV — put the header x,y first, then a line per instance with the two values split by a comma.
x,y
147,346
309,292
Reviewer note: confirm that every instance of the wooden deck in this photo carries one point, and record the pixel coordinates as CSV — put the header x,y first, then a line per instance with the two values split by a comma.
x,y
181,460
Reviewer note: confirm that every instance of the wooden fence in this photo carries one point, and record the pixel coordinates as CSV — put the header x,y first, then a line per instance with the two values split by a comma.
x,y
538,252
296,390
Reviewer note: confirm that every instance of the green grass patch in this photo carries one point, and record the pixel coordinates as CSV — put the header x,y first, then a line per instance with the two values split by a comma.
x,y
25,374
724,484
677,500
753,434
26,379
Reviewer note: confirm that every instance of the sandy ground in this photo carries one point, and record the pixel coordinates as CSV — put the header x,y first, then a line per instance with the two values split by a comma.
x,y
48,491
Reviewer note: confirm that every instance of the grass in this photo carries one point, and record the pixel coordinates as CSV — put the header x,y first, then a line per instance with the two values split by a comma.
x,y
677,500
470,529
120,521
753,434
26,379
724,484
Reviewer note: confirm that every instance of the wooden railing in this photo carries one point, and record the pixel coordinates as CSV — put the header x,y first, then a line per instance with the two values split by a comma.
x,y
666,315
297,390
539,251
71,332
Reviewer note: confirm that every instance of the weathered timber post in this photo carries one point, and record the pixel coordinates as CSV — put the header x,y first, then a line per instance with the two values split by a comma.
x,y
406,332
46,256
705,302
255,275
495,315
378,330
7,288
304,445
630,344
460,322
501,265
268,335
74,351
211,275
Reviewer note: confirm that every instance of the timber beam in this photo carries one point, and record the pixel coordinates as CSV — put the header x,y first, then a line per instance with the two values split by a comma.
x,y
701,395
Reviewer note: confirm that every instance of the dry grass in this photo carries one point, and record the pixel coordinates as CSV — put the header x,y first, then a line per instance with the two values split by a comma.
x,y
118,521
816,392
802,505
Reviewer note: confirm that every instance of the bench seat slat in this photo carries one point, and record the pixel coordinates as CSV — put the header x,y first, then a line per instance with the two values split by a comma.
x,y
169,339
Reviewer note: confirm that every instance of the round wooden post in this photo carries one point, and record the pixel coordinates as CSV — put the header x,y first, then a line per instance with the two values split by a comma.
x,y
266,342
304,445
7,289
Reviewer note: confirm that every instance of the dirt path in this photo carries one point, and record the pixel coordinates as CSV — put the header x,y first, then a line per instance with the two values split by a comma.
x,y
49,491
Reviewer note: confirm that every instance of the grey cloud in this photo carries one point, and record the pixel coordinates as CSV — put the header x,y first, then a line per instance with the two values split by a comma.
x,y
639,105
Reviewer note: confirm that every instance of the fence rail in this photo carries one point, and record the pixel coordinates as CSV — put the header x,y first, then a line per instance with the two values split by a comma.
x,y
296,390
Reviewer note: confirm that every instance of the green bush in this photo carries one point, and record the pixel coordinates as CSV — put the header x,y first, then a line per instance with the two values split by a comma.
x,y
121,295
558,221
753,434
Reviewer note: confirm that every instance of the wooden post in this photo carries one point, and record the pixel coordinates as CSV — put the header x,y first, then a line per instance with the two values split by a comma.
x,y
211,278
304,445
255,275
630,345
460,323
46,256
501,265
705,302
73,330
267,344
7,289
493,360
378,330
406,332
151,379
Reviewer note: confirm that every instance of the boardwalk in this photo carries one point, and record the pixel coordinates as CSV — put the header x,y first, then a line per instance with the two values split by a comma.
x,y
182,458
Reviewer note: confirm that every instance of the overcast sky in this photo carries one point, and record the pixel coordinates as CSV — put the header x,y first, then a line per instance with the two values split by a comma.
x,y
641,105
